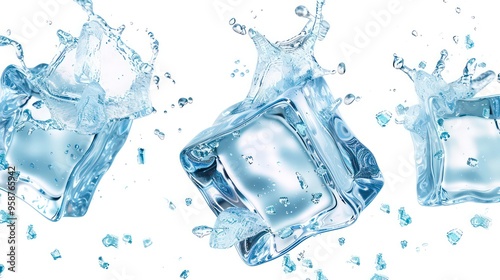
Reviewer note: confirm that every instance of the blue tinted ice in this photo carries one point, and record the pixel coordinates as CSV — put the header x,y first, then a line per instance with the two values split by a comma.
x,y
284,153
127,238
103,264
320,275
454,236
404,218
202,231
380,263
56,254
385,208
30,233
455,136
404,244
480,221
379,277
288,264
63,122
341,241
147,242
184,274
110,240
234,225
355,260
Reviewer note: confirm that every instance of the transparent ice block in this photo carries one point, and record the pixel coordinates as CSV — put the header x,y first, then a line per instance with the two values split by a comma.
x,y
63,123
454,135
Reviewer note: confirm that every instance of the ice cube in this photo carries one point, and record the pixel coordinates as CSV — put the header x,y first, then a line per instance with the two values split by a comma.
x,y
480,221
56,254
288,265
454,236
110,240
380,262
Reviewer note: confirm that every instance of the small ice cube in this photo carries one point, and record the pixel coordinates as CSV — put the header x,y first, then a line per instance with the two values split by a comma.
x,y
127,238
385,208
237,224
469,43
189,201
355,260
381,265
404,218
472,162
103,264
341,241
147,242
454,236
4,217
30,234
480,221
320,275
110,240
307,263
184,274
383,118
379,277
288,264
56,254
140,155
202,231
422,65
404,244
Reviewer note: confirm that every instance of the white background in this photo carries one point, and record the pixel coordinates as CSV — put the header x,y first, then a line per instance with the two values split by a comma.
x,y
198,47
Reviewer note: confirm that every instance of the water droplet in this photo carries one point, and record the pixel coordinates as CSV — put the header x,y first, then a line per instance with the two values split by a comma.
x,y
456,39
444,136
316,197
156,80
240,29
188,201
458,10
160,134
249,159
190,100
182,101
349,99
284,201
469,43
232,75
202,231
302,182
232,21
302,11
414,33
9,32
341,68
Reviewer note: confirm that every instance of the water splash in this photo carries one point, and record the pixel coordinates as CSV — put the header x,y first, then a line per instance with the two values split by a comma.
x,y
286,64
88,94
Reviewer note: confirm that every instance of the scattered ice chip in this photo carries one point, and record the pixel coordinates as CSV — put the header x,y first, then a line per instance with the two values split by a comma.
x,y
355,260
271,210
320,275
285,232
379,277
103,264
184,274
316,197
302,182
383,118
472,162
480,221
171,205
147,242
404,218
404,244
288,265
2,269
469,43
30,233
160,134
237,224
307,263
4,217
341,241
202,231
127,238
380,263
56,254
454,236
110,240
349,99
385,208
341,68
422,65
140,155
189,201
284,200
240,29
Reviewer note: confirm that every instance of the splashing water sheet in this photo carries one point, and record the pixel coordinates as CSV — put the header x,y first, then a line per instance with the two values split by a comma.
x,y
136,200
